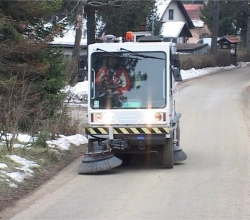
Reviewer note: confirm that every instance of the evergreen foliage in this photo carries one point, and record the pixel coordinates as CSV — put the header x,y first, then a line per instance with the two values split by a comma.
x,y
233,16
125,16
31,73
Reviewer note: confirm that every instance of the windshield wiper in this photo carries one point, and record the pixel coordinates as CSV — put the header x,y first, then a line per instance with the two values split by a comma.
x,y
114,54
141,55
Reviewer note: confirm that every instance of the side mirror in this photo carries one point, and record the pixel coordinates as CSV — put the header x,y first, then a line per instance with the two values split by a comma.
x,y
175,60
176,66
177,74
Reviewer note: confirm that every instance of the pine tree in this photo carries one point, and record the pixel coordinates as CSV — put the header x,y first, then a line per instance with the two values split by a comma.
x,y
233,17
31,74
119,19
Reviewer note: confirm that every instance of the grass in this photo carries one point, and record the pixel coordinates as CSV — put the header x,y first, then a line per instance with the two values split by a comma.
x,y
50,162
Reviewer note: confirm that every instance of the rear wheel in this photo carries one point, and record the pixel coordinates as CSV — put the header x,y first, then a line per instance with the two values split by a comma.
x,y
167,154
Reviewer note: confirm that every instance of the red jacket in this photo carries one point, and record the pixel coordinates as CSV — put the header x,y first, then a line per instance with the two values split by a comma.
x,y
120,79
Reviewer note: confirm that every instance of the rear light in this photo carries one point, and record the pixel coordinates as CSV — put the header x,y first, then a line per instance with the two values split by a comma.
x,y
164,117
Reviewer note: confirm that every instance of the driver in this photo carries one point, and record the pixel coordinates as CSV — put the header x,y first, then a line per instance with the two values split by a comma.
x,y
112,78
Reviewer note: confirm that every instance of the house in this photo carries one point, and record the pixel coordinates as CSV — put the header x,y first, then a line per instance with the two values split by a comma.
x,y
66,42
201,30
176,21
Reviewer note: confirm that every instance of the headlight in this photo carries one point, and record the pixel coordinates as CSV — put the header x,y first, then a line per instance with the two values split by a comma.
x,y
98,117
107,118
102,118
153,117
158,116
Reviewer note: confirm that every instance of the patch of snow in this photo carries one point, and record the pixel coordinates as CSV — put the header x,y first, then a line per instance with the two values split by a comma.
x,y
192,73
77,93
198,23
24,138
64,142
3,165
76,139
3,171
18,176
13,185
162,5
23,161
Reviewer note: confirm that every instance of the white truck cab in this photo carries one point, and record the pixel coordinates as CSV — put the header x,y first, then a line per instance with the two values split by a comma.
x,y
143,119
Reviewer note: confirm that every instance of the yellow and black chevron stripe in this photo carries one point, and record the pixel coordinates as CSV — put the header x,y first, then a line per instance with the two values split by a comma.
x,y
122,130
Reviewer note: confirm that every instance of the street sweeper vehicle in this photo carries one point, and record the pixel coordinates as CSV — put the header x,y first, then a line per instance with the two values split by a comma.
x,y
131,103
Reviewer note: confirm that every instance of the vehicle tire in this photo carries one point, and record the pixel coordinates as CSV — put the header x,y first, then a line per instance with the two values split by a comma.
x,y
167,154
90,145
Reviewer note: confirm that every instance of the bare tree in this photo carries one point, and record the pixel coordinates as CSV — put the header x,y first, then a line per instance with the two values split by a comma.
x,y
89,7
77,44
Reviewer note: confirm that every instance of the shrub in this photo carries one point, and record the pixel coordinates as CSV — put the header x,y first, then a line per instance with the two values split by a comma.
x,y
189,61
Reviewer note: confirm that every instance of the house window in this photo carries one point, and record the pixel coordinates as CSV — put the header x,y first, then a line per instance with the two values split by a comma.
x,y
171,14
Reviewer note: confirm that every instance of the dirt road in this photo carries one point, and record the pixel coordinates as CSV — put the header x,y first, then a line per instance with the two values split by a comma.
x,y
213,183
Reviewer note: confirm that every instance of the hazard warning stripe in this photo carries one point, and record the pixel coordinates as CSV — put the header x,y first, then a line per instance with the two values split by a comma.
x,y
97,130
103,131
122,130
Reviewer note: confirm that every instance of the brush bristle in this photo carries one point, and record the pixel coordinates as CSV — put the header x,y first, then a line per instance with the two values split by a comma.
x,y
179,156
99,165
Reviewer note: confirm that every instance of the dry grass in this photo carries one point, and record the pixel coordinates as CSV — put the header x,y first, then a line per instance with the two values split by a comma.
x,y
50,163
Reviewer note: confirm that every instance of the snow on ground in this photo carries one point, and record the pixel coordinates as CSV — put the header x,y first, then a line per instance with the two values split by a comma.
x,y
24,167
75,95
192,73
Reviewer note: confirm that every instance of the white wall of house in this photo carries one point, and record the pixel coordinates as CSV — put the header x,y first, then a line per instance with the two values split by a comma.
x,y
177,14
68,50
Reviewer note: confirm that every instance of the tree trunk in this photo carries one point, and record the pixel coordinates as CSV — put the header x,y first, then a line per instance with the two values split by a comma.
x,y
213,50
90,11
248,36
77,45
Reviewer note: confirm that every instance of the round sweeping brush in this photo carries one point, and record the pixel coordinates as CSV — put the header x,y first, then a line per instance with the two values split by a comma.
x,y
93,163
179,154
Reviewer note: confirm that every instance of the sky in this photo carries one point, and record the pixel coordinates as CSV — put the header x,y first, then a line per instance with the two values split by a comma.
x,y
24,168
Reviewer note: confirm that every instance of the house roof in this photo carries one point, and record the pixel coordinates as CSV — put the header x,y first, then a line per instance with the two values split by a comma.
x,y
189,22
175,29
162,6
193,10
183,47
68,39
232,39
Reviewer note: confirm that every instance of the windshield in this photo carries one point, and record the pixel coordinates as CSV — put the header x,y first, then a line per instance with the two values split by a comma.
x,y
128,80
